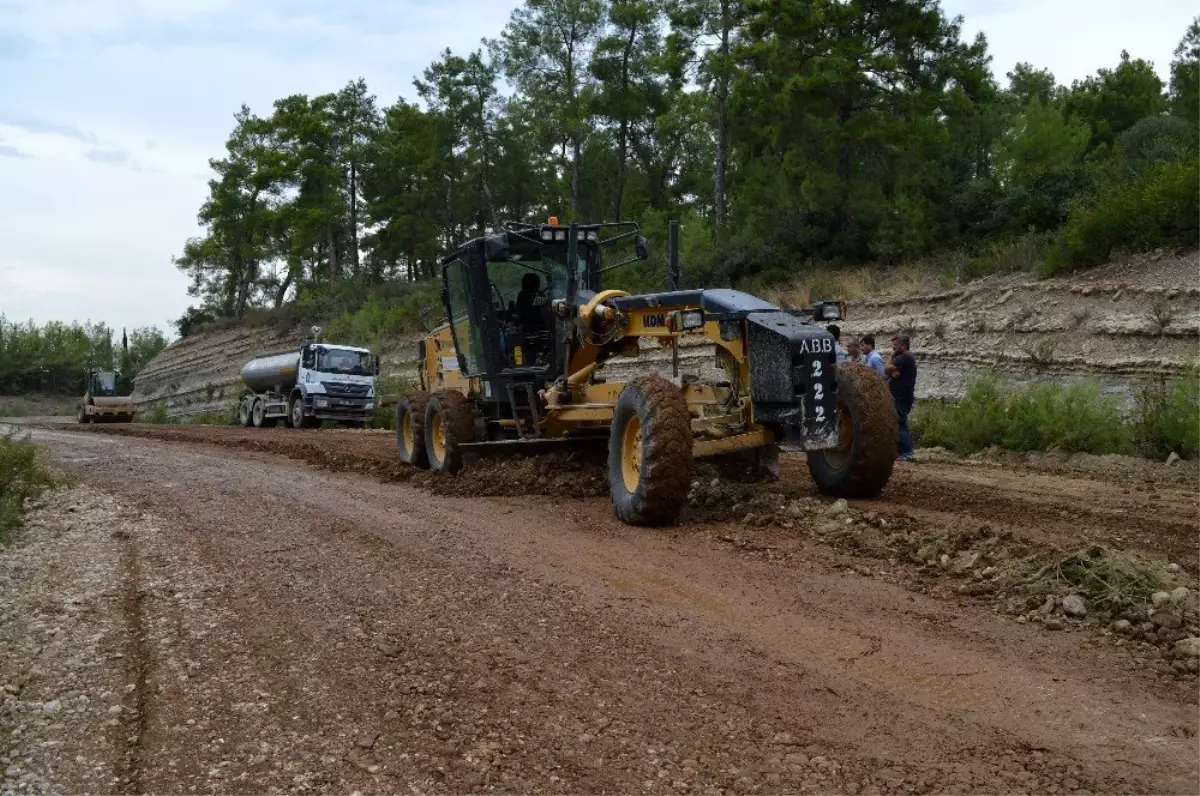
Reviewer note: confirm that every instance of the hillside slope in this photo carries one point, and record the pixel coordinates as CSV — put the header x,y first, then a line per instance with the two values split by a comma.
x,y
1121,324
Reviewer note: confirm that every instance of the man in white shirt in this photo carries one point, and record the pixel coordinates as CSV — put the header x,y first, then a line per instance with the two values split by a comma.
x,y
874,358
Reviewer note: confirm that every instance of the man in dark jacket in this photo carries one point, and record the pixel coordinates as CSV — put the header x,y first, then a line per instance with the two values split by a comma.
x,y
902,378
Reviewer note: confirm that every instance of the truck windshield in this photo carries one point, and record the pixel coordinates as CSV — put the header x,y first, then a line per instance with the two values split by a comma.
x,y
339,360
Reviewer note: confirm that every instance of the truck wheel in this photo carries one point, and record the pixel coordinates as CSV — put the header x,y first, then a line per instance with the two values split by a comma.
x,y
650,452
256,413
410,429
81,414
448,423
296,413
861,464
244,414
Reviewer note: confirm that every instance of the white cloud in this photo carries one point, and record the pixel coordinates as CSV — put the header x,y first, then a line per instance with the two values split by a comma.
x,y
1074,38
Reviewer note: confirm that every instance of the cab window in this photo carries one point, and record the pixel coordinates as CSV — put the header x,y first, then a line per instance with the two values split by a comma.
x,y
467,338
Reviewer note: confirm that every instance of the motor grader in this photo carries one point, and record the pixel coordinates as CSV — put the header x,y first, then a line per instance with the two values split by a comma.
x,y
100,402
519,367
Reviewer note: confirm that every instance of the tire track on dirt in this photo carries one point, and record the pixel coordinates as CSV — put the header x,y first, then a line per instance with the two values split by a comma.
x,y
138,662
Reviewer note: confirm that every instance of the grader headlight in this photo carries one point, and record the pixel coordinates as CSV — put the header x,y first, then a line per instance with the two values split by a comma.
x,y
685,320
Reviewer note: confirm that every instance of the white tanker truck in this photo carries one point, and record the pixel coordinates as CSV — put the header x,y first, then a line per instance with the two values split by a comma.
x,y
321,381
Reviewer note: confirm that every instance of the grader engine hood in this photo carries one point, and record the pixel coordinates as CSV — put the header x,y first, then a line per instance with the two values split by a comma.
x,y
793,364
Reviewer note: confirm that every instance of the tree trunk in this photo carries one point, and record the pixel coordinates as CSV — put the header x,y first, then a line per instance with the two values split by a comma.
x,y
720,204
335,267
576,173
623,129
354,216
281,292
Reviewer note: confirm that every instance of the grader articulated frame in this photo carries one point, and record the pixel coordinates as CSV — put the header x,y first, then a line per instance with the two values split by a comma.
x,y
524,371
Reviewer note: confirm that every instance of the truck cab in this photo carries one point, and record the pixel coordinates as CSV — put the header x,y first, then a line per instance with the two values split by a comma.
x,y
337,382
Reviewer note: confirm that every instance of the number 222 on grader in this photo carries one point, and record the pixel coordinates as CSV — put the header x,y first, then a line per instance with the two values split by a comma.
x,y
519,367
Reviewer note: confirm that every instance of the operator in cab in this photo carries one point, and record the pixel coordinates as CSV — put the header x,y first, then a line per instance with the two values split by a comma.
x,y
531,317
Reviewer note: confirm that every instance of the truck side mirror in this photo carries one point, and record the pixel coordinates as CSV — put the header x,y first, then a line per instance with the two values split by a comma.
x,y
640,247
377,367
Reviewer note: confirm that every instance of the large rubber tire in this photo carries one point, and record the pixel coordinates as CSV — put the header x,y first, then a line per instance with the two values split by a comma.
x,y
448,424
81,414
244,414
868,428
410,429
257,414
650,452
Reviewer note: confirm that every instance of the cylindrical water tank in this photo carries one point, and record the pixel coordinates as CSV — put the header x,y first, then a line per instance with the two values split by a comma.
x,y
264,373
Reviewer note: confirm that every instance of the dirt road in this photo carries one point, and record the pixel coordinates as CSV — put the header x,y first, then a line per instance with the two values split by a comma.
x,y
236,621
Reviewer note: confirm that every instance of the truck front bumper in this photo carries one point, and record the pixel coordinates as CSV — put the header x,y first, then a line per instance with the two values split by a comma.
x,y
329,408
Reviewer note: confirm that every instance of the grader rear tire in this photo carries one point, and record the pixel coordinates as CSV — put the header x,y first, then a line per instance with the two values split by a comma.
x,y
650,453
868,429
448,423
410,429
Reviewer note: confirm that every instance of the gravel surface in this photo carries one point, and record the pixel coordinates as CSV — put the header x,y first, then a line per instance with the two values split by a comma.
x,y
231,621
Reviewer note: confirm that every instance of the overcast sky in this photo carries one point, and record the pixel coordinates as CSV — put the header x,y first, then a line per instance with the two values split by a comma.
x,y
110,110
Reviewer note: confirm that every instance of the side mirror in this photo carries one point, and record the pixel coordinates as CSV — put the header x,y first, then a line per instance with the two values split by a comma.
x,y
377,367
640,247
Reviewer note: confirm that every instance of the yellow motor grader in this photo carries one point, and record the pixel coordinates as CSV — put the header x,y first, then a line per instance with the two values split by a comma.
x,y
100,402
519,367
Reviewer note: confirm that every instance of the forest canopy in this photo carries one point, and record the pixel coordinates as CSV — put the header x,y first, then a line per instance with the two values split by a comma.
x,y
788,135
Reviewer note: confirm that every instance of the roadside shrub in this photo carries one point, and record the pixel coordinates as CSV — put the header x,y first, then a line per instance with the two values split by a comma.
x,y
1180,421
157,415
1159,207
1167,417
1075,417
217,417
976,422
22,478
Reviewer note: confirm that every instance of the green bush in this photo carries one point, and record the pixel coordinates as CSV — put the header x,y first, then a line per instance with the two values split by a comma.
x,y
1167,417
1075,417
1180,421
22,478
1160,207
976,422
157,415
384,417
216,417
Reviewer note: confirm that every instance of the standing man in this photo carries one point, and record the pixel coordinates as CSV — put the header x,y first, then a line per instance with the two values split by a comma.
x,y
902,375
836,331
873,357
854,352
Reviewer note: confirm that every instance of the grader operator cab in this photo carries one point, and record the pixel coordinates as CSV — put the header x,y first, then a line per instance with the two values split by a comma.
x,y
519,367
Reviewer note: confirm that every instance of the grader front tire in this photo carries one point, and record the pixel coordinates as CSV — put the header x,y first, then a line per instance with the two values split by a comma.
x,y
650,453
410,430
448,424
868,425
